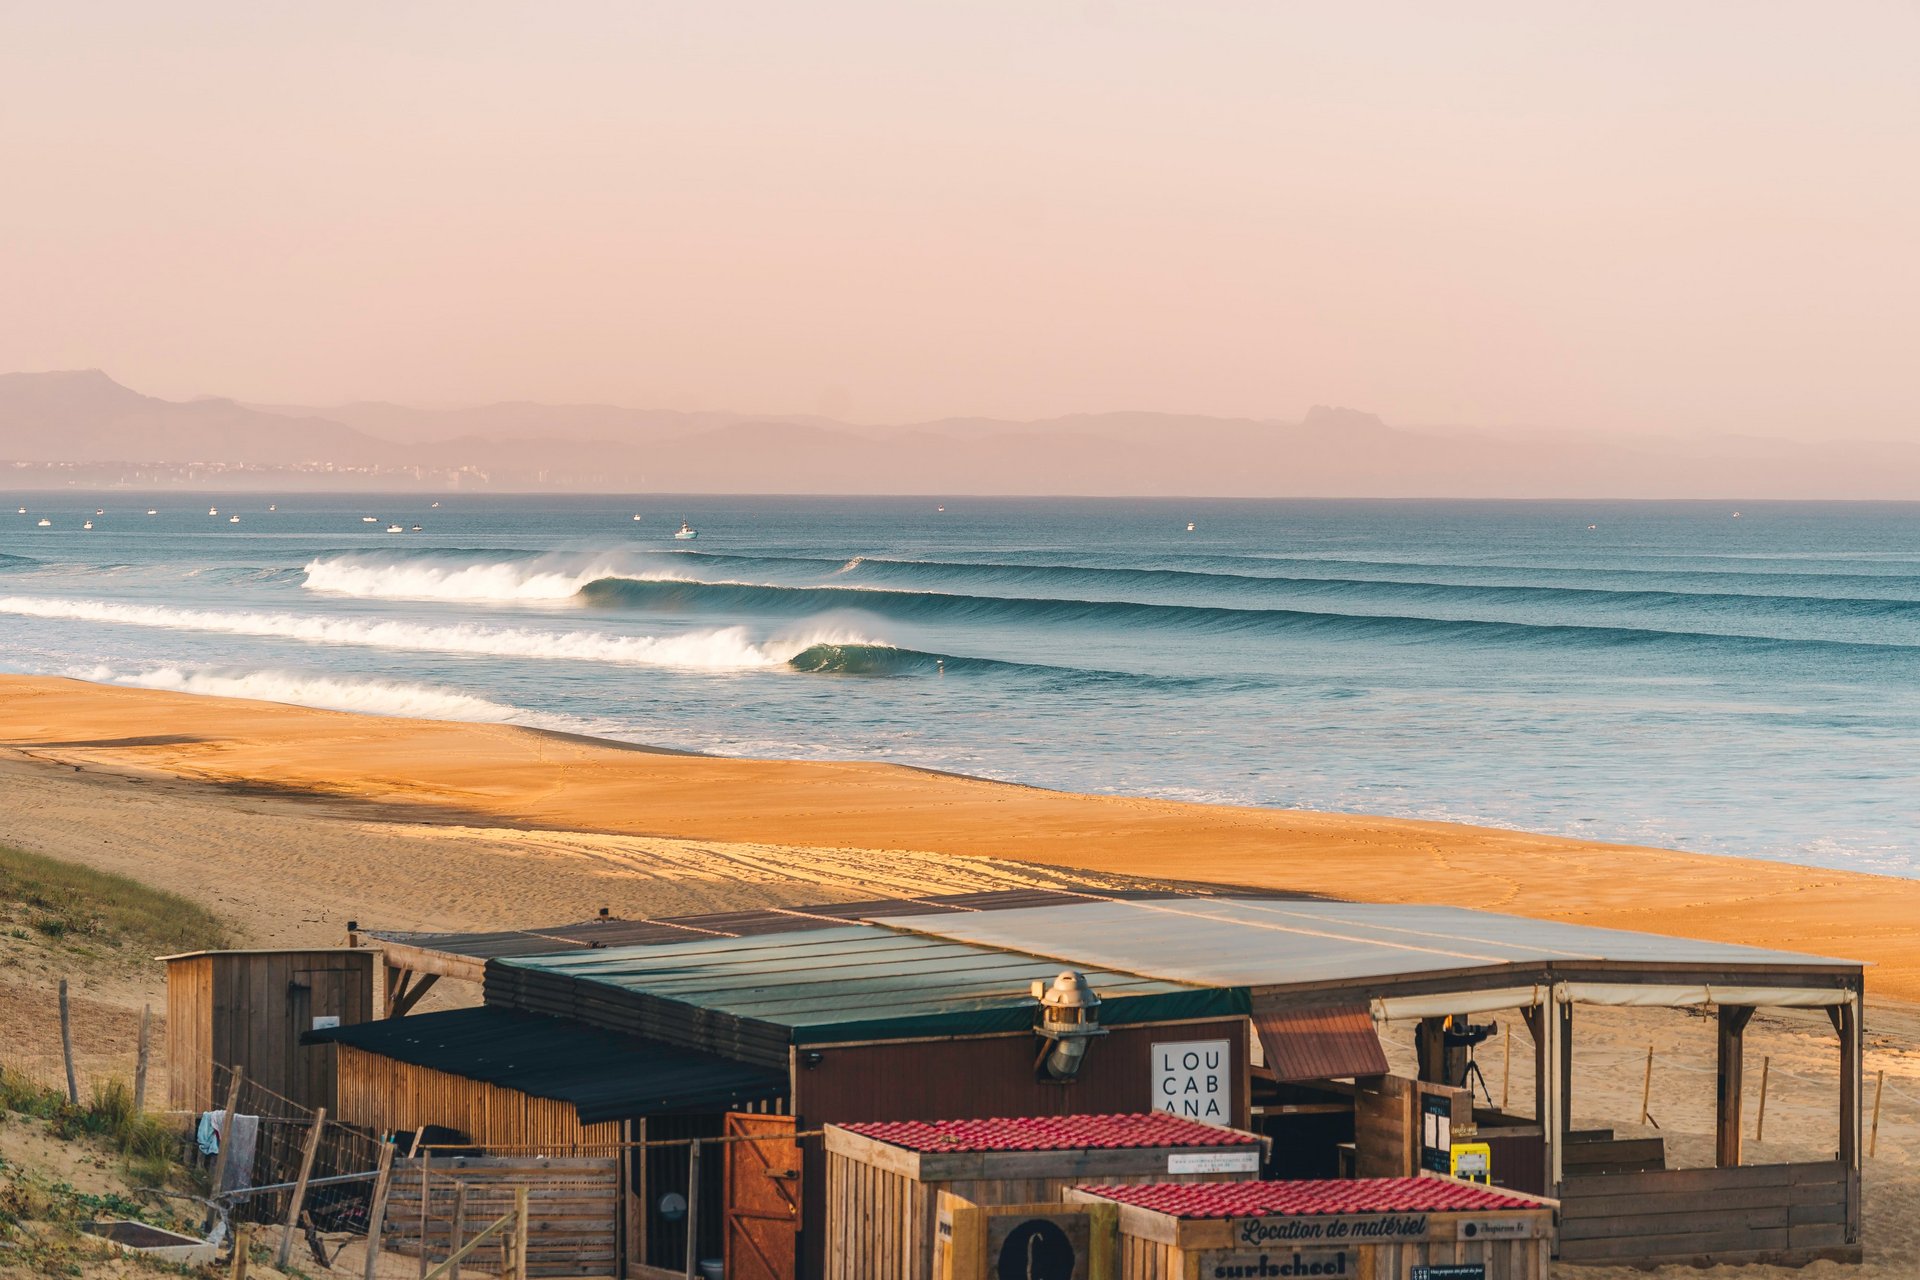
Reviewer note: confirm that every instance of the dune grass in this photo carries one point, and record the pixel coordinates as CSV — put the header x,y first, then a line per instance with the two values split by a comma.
x,y
61,901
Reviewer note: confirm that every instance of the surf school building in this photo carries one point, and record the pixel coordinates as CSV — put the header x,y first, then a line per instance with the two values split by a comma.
x,y
1260,1013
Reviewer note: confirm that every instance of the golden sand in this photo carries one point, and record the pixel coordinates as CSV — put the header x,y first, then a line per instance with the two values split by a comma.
x,y
487,777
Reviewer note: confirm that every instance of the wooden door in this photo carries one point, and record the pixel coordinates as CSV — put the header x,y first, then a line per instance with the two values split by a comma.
x,y
762,1211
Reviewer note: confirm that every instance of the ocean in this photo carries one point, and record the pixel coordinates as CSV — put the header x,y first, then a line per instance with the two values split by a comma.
x,y
1664,673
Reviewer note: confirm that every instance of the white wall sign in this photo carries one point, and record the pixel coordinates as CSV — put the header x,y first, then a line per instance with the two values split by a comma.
x,y
1194,1078
325,1021
1227,1160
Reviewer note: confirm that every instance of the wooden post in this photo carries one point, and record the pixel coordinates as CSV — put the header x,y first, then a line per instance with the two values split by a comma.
x,y
377,1214
1646,1089
1506,1069
426,1194
1731,1084
242,1244
693,1209
234,1082
299,1197
1760,1120
1566,1068
522,1226
1879,1083
459,1236
66,1044
140,1061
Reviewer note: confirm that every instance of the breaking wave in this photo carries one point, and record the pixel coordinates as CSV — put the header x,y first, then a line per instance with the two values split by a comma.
x,y
458,575
719,649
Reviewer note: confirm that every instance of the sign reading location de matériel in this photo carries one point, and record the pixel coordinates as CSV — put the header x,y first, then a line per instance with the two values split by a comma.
x,y
1193,1078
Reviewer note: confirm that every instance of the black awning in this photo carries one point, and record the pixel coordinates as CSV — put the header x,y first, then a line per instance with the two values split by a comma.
x,y
605,1075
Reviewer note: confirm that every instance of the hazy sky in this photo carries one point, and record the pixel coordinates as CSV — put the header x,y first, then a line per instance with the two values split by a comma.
x,y
1620,216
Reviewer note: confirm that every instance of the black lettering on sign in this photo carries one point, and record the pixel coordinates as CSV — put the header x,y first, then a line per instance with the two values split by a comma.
x,y
1267,1266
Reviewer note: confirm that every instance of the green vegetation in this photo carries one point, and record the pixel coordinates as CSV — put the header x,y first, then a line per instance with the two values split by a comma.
x,y
149,1145
63,902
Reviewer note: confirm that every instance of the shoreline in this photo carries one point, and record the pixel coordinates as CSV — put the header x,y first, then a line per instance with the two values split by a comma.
x,y
538,790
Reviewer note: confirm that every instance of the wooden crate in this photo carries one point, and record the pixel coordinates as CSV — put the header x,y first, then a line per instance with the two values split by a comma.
x,y
1505,1243
882,1197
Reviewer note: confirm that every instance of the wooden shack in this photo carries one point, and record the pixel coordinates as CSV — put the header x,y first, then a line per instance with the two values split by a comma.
x,y
884,1179
228,1009
1369,1228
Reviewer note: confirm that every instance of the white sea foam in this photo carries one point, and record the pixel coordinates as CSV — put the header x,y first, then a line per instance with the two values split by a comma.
x,y
372,697
548,577
719,649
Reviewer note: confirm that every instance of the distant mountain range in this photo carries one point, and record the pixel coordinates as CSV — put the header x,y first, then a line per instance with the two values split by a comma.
x,y
83,427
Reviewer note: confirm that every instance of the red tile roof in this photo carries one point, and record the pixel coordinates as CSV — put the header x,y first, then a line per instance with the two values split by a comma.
x,y
1306,1198
1052,1133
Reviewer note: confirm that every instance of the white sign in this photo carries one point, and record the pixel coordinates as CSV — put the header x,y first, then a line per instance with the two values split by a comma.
x,y
1231,1160
325,1021
1194,1078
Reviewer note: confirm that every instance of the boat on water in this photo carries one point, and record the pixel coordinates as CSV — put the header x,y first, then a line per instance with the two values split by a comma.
x,y
100,511
394,528
213,511
45,523
87,525
636,515
1189,526
369,519
23,511
233,519
416,528
152,512
686,532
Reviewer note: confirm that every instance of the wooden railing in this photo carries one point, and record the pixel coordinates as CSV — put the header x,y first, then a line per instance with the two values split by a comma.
x,y
1782,1214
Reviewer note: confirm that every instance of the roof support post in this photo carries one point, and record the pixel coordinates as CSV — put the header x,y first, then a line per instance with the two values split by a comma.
x,y
1549,1078
1731,1086
1848,1020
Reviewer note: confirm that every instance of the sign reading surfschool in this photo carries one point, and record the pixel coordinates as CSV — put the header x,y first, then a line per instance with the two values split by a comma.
x,y
1193,1078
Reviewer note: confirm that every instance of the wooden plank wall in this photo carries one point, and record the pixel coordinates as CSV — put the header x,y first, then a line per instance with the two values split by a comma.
x,y
1782,1214
880,1222
385,1095
1385,1129
574,1204
190,1034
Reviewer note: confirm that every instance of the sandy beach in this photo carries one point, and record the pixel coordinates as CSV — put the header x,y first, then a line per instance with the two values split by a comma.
x,y
288,822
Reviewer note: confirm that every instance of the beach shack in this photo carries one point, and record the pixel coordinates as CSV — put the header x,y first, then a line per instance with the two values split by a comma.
x,y
1264,1014
228,1009
884,1179
1365,1229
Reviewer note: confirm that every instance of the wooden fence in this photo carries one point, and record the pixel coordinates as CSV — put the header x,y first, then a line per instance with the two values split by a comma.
x,y
574,1205
1783,1214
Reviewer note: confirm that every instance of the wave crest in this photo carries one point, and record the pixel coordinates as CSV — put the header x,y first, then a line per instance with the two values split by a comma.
x,y
455,577
718,649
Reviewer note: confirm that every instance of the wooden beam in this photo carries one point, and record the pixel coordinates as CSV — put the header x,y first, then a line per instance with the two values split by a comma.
x,y
1566,1069
401,1006
1731,1083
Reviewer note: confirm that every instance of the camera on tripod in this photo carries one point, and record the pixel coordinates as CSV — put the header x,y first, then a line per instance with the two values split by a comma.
x,y
1460,1034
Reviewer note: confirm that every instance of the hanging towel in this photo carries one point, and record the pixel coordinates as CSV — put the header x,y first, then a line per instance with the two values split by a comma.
x,y
207,1133
245,1137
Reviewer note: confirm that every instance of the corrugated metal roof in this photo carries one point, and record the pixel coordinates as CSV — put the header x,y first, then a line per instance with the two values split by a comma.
x,y
863,982
1255,944
1324,1042
1053,1133
1311,1197
604,1075
612,931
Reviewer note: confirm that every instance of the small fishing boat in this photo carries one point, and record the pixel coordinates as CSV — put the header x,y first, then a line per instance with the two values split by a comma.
x,y
45,523
23,511
436,504
152,511
272,507
1189,526
87,525
636,515
99,511
416,528
394,528
213,511
233,519
686,532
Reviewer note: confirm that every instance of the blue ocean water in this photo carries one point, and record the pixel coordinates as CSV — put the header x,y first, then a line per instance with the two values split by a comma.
x,y
1665,673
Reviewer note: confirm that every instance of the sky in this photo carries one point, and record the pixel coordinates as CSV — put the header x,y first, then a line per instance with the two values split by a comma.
x,y
1636,218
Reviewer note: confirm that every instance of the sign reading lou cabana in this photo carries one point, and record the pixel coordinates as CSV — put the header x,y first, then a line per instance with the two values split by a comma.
x,y
1193,1079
